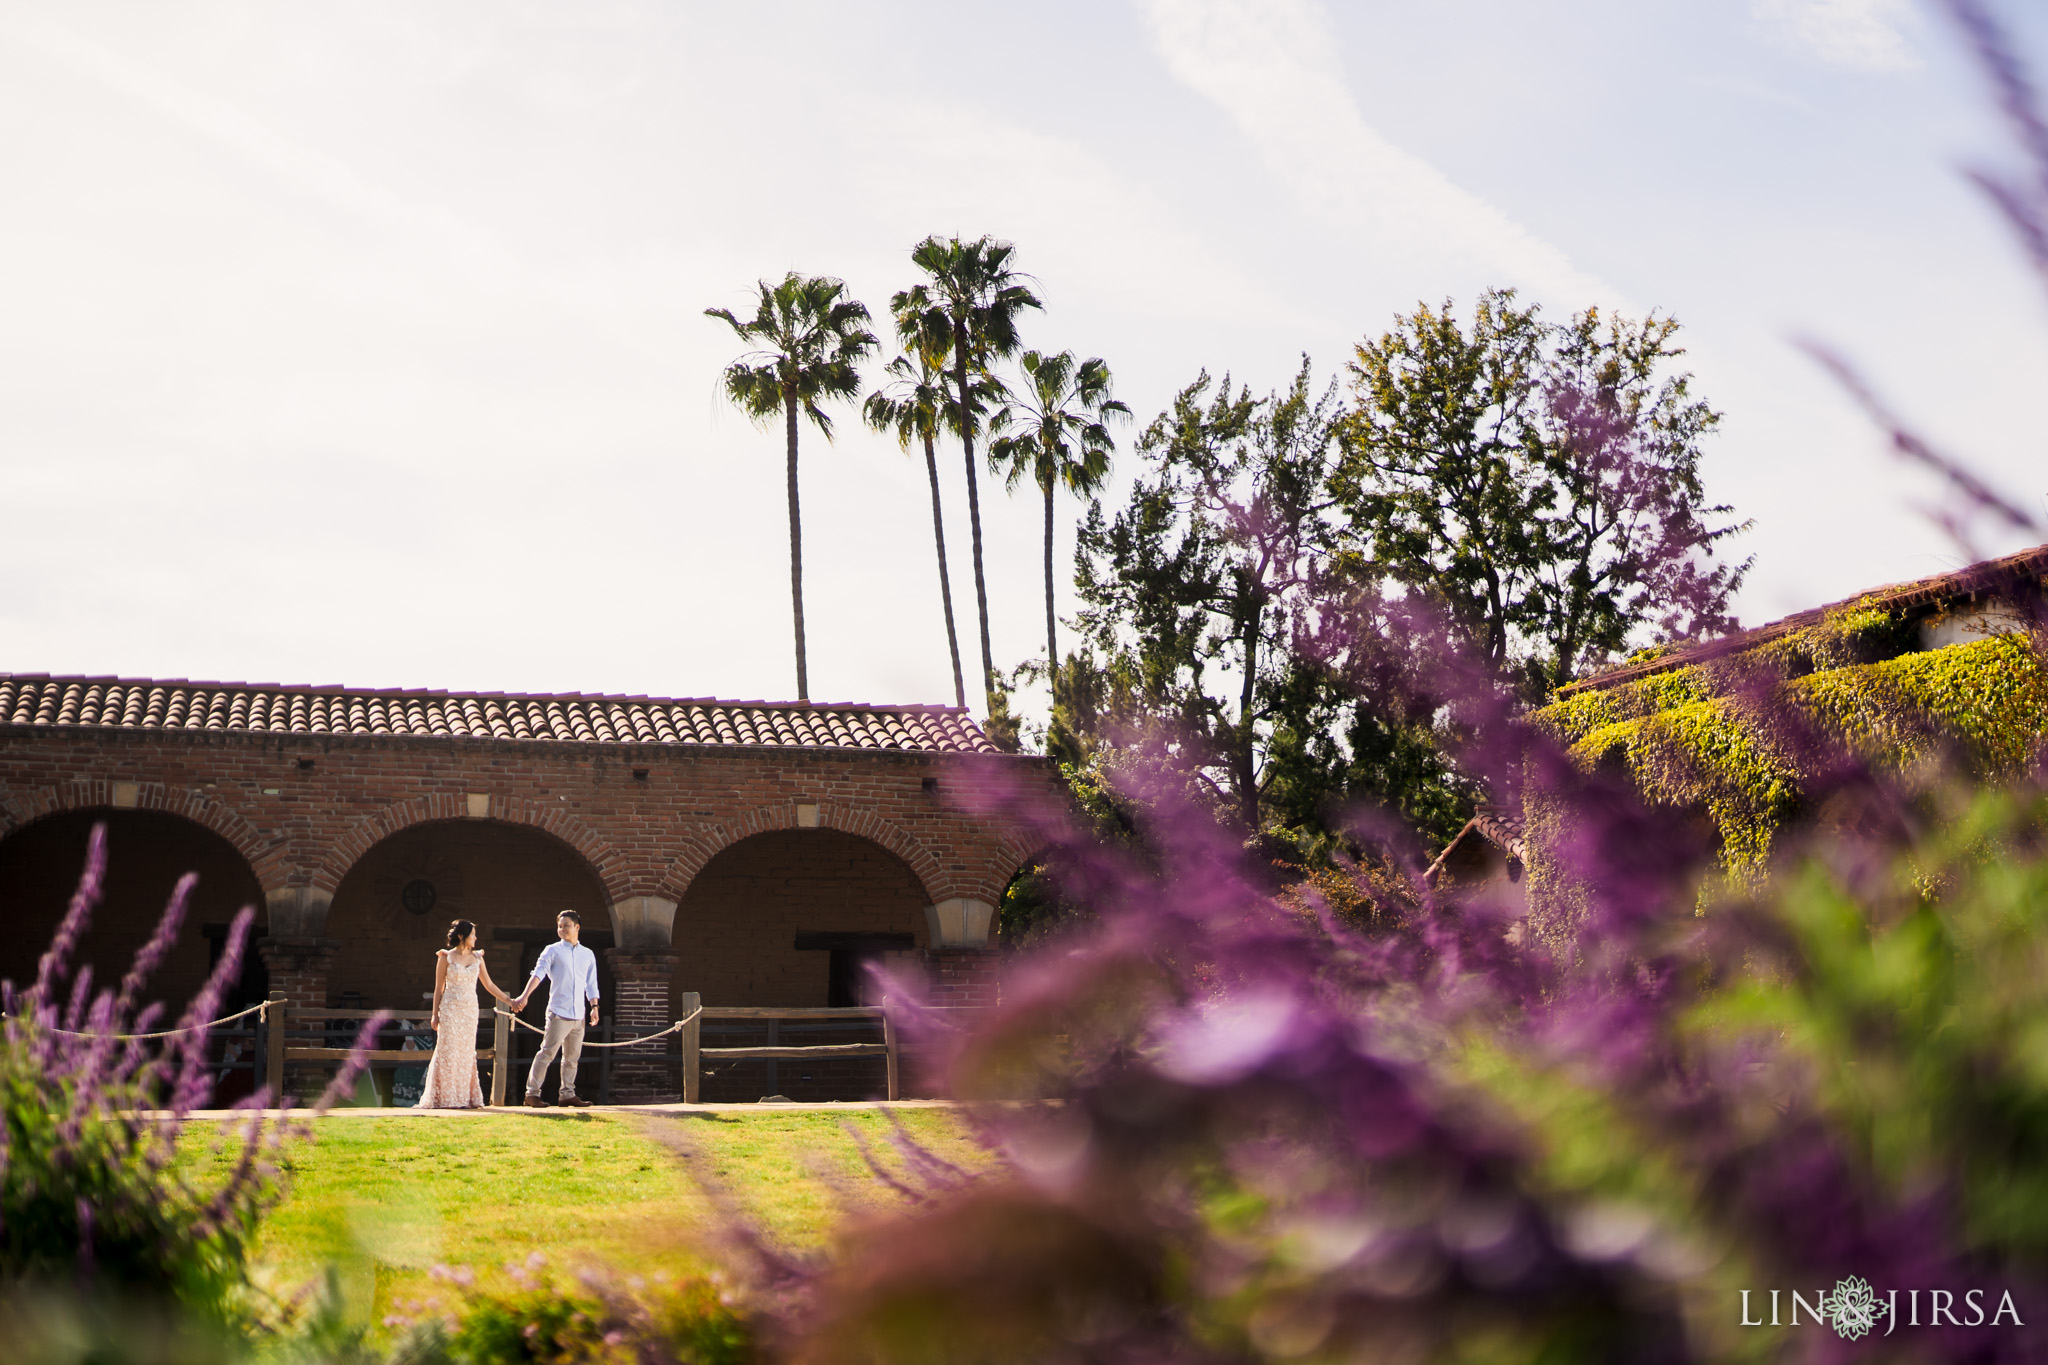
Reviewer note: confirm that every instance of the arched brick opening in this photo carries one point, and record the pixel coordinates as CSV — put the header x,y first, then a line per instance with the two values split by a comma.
x,y
699,851
604,861
147,851
110,797
1031,903
392,910
737,928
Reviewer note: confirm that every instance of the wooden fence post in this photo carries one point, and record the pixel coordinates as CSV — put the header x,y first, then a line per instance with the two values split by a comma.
x,y
692,1036
274,1023
501,1056
889,1039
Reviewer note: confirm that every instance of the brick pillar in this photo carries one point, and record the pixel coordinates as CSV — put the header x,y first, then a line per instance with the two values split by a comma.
x,y
300,967
642,1075
959,979
963,977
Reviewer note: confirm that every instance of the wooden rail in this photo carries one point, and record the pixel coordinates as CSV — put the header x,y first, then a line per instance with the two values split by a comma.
x,y
819,1050
694,1051
278,1051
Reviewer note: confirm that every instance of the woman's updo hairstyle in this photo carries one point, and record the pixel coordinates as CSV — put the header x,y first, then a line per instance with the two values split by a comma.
x,y
458,931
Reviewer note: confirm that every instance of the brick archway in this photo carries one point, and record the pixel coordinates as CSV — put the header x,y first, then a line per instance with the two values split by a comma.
x,y
264,857
149,851
605,861
701,848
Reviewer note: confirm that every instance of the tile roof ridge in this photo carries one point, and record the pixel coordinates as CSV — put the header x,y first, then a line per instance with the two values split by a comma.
x,y
1971,578
460,693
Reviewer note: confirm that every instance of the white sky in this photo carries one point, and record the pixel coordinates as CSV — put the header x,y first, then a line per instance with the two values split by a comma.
x,y
364,343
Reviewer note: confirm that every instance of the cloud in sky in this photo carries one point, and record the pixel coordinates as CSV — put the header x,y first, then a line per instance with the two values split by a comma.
x,y
1271,66
1859,35
389,316
304,169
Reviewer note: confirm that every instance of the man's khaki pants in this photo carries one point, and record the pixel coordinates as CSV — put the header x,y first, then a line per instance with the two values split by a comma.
x,y
566,1037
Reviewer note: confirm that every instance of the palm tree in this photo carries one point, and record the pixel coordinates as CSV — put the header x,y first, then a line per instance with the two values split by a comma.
x,y
1056,432
809,339
915,404
972,300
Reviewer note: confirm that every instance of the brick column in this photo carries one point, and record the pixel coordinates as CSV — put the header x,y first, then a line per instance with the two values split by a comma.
x,y
960,979
300,968
963,977
642,1075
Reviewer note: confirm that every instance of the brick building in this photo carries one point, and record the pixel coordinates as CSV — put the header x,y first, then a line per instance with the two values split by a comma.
x,y
756,853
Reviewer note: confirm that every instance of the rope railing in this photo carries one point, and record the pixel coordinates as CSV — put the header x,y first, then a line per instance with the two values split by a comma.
x,y
677,1027
160,1033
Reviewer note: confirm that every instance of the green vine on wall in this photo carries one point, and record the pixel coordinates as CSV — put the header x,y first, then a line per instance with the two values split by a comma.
x,y
1690,738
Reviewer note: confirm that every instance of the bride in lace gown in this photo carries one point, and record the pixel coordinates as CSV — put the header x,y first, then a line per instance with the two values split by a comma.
x,y
451,1072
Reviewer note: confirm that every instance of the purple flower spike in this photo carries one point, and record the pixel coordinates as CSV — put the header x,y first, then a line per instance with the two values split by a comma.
x,y
152,953
344,1083
56,961
189,1049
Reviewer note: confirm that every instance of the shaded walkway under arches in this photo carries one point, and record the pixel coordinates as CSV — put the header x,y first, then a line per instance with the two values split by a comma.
x,y
739,923
392,909
147,851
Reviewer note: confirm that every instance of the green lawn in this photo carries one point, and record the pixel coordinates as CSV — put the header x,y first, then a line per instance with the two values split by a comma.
x,y
384,1199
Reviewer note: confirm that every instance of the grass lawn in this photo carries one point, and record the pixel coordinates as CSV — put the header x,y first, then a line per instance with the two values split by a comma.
x,y
384,1199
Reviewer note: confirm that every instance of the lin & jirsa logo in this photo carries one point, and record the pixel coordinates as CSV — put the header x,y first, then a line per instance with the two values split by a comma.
x,y
1854,1309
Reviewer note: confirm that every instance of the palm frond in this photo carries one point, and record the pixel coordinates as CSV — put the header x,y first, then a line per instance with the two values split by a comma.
x,y
1056,433
810,338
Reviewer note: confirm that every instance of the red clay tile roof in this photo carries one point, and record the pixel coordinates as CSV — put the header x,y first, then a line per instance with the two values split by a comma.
x,y
1496,824
1993,576
148,704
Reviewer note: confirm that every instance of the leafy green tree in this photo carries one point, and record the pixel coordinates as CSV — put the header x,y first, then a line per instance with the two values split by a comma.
x,y
1056,433
1539,484
972,298
1230,632
1194,591
810,339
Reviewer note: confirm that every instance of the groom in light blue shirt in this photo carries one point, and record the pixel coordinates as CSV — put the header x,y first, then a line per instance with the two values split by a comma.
x,y
570,969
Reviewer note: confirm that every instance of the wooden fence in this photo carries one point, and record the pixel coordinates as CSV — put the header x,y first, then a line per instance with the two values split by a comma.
x,y
695,1053
286,1040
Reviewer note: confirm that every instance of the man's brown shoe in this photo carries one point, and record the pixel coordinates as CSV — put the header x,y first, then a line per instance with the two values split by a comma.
x,y
535,1102
573,1102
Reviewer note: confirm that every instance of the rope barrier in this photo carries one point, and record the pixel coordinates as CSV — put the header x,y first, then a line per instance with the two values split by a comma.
x,y
677,1027
162,1033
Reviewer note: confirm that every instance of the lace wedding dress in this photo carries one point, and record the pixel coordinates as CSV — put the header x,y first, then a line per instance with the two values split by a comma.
x,y
451,1072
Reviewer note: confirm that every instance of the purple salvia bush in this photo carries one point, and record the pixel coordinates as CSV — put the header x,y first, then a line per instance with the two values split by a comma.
x,y
90,1117
1233,1134
1237,1133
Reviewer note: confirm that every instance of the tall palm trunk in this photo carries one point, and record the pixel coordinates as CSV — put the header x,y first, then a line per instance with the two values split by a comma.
x,y
796,556
988,659
931,464
1052,649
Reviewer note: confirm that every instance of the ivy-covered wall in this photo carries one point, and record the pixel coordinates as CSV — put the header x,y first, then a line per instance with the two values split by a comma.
x,y
1733,737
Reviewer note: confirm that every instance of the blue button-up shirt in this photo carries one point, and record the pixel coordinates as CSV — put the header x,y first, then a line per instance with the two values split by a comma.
x,y
571,974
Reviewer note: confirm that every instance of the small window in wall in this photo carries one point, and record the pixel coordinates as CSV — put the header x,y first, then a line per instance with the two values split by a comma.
x,y
848,982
